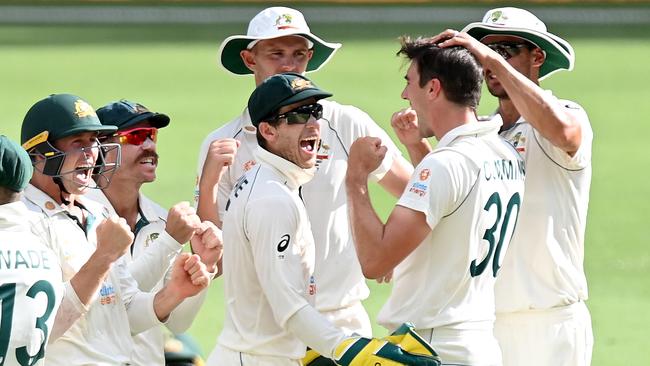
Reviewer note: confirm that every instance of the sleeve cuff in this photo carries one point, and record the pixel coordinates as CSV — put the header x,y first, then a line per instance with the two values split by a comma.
x,y
142,315
169,242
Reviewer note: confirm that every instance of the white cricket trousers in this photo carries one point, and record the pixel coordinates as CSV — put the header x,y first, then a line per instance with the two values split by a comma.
x,y
559,336
223,356
476,347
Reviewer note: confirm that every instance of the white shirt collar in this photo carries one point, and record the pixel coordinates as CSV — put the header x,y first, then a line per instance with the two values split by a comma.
x,y
474,128
296,176
247,124
50,207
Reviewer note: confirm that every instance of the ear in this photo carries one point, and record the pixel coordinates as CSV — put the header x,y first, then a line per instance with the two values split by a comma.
x,y
268,131
433,88
249,59
539,57
310,54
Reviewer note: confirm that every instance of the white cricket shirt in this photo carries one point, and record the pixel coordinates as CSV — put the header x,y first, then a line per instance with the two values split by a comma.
x,y
544,267
268,258
150,261
103,335
470,188
31,288
341,282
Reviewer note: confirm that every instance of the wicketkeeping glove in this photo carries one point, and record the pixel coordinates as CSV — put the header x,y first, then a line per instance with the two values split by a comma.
x,y
403,347
313,358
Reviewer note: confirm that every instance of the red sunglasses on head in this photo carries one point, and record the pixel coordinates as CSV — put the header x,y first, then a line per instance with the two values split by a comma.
x,y
137,136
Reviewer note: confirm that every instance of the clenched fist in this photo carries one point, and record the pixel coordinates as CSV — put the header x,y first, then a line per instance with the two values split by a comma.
x,y
220,155
405,125
366,154
207,242
182,221
114,237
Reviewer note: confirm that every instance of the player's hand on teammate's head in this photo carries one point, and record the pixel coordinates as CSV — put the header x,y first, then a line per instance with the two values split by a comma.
x,y
207,243
114,237
405,125
189,275
220,155
182,221
366,154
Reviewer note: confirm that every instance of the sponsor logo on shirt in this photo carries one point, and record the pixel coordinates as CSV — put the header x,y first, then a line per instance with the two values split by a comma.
x,y
424,174
322,154
107,294
419,188
150,239
519,142
249,164
283,245
312,285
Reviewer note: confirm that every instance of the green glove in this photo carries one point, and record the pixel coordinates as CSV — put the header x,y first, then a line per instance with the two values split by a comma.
x,y
403,347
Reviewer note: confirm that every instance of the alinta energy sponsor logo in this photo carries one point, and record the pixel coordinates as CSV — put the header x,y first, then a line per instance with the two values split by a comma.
x,y
107,294
419,189
248,165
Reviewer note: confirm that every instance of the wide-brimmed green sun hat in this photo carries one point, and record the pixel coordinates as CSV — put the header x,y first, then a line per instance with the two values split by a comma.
x,y
523,24
272,23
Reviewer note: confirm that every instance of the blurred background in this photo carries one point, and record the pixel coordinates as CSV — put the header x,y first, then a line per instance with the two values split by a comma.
x,y
164,55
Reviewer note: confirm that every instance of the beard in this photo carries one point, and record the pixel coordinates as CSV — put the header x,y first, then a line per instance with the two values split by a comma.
x,y
498,92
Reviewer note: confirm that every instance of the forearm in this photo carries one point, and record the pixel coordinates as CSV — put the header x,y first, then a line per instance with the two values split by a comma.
x,y
367,228
165,301
182,317
69,311
315,331
395,180
418,151
87,281
207,207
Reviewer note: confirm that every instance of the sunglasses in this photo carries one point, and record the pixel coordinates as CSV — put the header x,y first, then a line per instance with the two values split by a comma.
x,y
301,114
508,49
137,136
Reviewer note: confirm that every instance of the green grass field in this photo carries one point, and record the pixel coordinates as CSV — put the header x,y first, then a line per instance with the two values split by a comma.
x,y
172,69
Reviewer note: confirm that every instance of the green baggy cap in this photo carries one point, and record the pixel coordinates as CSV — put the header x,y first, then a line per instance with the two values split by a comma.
x,y
15,165
278,91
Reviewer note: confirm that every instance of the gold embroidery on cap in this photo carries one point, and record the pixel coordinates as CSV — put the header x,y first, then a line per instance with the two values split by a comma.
x,y
83,109
299,84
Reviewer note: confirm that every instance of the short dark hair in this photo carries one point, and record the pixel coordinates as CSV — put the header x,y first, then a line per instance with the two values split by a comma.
x,y
459,72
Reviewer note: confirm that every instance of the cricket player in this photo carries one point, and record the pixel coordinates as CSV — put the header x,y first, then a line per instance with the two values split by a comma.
x,y
31,288
446,236
542,318
268,258
60,133
279,40
158,235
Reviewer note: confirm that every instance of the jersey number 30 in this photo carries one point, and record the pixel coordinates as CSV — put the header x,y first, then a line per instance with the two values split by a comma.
x,y
501,224
7,296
